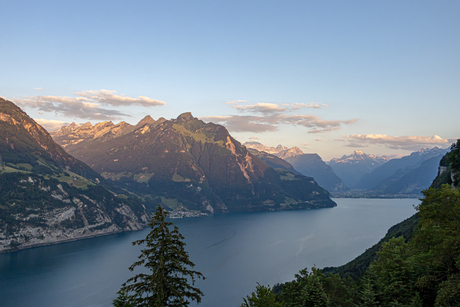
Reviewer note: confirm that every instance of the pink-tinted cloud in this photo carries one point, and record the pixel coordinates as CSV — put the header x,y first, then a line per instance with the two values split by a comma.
x,y
397,142
87,104
249,123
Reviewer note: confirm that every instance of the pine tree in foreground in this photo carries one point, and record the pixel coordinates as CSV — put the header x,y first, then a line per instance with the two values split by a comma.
x,y
168,262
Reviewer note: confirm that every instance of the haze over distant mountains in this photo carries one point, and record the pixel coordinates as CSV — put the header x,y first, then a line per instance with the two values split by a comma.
x,y
307,164
407,175
366,175
188,165
351,168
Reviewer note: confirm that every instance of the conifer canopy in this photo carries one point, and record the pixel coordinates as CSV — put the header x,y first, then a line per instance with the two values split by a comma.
x,y
170,279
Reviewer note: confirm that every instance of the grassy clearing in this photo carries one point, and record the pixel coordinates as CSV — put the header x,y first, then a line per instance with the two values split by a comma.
x,y
198,136
171,203
9,169
27,166
143,178
179,178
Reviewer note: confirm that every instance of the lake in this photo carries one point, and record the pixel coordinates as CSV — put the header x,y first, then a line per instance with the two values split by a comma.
x,y
233,251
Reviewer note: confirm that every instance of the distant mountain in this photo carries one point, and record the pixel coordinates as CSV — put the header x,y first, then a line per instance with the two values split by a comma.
x,y
261,147
411,180
312,165
351,168
48,196
395,169
307,164
290,153
273,161
192,166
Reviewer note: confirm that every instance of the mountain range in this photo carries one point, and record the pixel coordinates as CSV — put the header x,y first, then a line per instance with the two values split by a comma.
x,y
352,167
407,175
307,164
188,165
48,196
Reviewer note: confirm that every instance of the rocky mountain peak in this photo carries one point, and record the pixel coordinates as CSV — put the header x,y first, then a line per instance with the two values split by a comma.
x,y
261,147
289,153
184,117
146,120
281,147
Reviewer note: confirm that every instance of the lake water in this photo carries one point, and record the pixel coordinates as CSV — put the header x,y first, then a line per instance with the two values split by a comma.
x,y
233,251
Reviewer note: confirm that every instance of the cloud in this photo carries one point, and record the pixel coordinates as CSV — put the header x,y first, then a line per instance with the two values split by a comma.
x,y
109,98
248,123
254,138
318,140
50,124
235,101
273,108
264,108
305,144
396,142
38,88
313,105
239,123
87,104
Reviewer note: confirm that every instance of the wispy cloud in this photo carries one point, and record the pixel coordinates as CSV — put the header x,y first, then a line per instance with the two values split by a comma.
x,y
87,104
273,108
235,101
396,142
242,123
254,138
249,123
38,88
264,108
314,105
50,124
268,116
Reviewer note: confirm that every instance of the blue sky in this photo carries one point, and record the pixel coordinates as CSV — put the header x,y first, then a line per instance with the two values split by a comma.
x,y
326,76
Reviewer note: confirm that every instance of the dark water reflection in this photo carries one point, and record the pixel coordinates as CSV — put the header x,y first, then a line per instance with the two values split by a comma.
x,y
233,251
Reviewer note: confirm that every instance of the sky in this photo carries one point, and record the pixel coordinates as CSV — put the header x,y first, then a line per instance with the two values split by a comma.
x,y
329,77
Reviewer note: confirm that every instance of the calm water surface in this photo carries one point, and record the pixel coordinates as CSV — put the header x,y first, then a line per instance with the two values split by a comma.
x,y
233,251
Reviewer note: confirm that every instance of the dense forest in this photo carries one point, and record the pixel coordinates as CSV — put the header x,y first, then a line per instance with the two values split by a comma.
x,y
416,264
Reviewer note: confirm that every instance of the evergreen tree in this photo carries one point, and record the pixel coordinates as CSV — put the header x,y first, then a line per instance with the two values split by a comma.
x,y
164,256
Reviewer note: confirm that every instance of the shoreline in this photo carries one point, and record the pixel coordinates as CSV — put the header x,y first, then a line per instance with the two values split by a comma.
x,y
89,236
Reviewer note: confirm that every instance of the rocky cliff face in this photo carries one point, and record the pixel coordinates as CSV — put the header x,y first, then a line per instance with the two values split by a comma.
x,y
48,196
46,211
189,165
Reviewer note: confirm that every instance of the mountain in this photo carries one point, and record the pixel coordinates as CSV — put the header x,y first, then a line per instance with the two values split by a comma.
x,y
48,196
307,164
290,153
351,168
397,168
261,147
192,166
273,161
312,165
411,180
